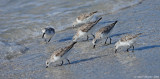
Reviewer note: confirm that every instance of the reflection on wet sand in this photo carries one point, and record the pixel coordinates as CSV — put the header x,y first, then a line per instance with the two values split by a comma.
x,y
128,60
60,72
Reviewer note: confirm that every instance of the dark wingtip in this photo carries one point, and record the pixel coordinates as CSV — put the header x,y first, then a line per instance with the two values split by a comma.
x,y
115,21
74,42
46,66
139,33
93,35
99,19
95,11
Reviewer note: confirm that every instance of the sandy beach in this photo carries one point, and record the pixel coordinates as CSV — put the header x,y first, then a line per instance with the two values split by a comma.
x,y
98,63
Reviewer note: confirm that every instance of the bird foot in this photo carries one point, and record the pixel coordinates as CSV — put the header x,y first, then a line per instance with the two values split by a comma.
x,y
106,44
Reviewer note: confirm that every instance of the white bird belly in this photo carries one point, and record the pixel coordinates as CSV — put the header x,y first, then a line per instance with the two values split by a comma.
x,y
57,58
124,44
81,33
48,35
127,43
79,21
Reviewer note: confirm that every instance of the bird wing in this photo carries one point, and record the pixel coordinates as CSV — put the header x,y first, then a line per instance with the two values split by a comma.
x,y
59,52
104,29
86,27
108,28
62,51
127,37
83,16
86,15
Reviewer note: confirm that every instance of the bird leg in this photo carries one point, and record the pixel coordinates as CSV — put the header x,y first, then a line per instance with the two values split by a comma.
x,y
115,50
68,61
133,48
87,37
60,64
128,48
45,40
94,46
49,39
105,41
110,40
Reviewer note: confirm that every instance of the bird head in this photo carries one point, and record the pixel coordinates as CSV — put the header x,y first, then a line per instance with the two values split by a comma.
x,y
44,30
47,63
117,45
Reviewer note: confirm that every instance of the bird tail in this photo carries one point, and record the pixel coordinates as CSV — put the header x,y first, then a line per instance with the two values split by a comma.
x,y
97,20
93,12
114,23
70,46
137,35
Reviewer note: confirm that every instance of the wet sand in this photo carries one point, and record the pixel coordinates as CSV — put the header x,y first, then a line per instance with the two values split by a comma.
x,y
98,63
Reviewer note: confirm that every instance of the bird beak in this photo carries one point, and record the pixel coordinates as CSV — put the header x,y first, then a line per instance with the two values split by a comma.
x,y
46,66
43,35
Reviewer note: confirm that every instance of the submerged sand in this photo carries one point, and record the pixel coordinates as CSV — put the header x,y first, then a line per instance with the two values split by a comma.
x,y
98,63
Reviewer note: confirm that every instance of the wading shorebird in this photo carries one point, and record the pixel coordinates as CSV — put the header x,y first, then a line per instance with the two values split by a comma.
x,y
85,29
127,40
59,55
48,33
85,18
103,32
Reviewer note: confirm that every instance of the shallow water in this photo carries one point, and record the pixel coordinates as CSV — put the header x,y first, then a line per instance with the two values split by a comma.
x,y
23,53
22,20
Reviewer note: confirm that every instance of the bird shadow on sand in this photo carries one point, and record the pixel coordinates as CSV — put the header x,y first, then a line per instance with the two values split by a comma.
x,y
65,39
87,59
106,22
147,47
119,34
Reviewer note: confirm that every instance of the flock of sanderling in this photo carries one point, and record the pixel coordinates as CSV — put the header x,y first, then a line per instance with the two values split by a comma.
x,y
84,30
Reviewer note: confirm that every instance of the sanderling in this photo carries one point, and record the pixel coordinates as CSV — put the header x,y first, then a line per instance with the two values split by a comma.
x,y
84,29
48,33
85,18
127,40
103,32
59,55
